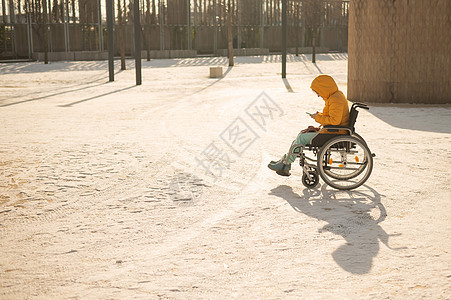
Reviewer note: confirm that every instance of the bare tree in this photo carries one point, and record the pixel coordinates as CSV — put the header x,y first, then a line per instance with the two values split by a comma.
x,y
304,20
148,22
154,11
55,11
297,20
314,10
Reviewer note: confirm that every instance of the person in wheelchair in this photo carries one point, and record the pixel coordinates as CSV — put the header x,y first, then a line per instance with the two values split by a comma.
x,y
335,112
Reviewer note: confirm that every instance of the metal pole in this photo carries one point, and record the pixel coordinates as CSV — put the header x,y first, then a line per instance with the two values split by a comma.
x,y
160,19
194,24
99,16
229,34
137,39
239,24
109,22
262,28
4,23
46,37
215,36
29,32
67,27
284,38
12,20
189,24
63,15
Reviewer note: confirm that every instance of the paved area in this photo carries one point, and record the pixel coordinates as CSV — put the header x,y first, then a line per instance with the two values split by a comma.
x,y
113,191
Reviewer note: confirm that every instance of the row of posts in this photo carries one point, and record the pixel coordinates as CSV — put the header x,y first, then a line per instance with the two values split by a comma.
x,y
137,39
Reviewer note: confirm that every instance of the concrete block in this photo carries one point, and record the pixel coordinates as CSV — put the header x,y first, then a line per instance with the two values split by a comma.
x,y
215,72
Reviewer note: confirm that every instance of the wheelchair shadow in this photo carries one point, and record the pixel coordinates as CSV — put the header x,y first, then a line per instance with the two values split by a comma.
x,y
354,215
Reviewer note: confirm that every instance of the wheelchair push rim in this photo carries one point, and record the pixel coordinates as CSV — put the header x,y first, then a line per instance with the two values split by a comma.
x,y
345,162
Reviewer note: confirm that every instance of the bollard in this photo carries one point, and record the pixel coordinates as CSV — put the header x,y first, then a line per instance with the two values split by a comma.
x,y
215,72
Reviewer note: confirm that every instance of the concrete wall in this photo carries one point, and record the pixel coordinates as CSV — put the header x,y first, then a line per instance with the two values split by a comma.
x,y
244,52
400,51
308,50
77,55
156,54
94,55
81,39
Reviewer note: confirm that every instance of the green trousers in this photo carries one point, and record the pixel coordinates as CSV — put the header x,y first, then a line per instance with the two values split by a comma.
x,y
303,139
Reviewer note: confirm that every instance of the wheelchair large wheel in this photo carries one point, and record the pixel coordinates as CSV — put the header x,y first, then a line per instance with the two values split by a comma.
x,y
345,162
356,135
344,175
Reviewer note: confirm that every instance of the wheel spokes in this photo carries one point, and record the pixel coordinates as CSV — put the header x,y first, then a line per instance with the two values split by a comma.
x,y
345,162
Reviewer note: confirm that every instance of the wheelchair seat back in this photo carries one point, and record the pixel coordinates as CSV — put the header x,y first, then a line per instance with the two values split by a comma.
x,y
352,118
353,113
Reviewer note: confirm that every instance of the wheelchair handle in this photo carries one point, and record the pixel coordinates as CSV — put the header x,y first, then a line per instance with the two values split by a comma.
x,y
360,105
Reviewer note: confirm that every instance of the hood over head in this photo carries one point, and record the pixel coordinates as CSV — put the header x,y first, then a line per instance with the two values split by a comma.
x,y
324,85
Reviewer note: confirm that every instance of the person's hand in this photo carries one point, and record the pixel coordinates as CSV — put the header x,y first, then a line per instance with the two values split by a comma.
x,y
314,115
310,129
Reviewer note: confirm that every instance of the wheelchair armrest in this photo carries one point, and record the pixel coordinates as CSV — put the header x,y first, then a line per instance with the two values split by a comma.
x,y
336,128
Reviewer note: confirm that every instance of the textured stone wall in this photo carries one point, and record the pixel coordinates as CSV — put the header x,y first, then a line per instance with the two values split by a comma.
x,y
399,51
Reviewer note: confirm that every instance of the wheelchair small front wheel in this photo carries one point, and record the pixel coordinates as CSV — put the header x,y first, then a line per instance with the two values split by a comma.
x,y
345,162
310,180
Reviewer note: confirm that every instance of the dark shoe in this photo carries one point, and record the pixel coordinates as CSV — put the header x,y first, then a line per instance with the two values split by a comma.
x,y
283,173
280,168
274,162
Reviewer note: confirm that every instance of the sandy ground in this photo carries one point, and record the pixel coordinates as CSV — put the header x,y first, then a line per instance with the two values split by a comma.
x,y
117,191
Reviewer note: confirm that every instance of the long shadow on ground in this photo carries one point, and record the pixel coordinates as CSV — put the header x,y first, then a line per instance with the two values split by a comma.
x,y
432,118
355,215
97,96
57,92
71,66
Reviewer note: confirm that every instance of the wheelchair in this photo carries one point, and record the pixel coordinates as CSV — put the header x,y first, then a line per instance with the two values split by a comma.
x,y
343,160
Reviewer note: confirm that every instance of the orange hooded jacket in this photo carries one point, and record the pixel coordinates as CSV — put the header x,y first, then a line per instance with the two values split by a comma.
x,y
336,110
